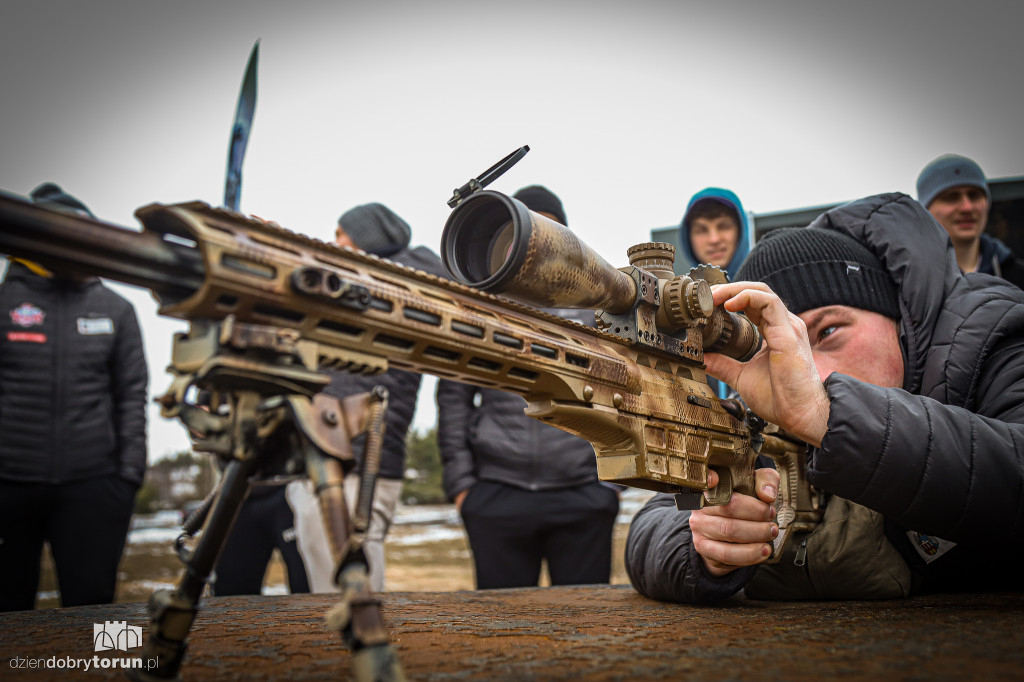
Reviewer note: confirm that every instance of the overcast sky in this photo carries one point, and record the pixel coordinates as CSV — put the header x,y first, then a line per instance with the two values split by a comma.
x,y
629,108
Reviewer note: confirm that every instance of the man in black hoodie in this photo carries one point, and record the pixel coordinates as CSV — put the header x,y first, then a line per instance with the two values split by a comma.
x,y
73,384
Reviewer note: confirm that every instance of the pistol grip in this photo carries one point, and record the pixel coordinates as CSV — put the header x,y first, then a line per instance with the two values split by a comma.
x,y
785,521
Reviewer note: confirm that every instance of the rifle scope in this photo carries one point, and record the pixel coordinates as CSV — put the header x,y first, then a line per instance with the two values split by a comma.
x,y
494,243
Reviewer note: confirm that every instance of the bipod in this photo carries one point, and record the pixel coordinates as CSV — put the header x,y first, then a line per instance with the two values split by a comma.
x,y
267,418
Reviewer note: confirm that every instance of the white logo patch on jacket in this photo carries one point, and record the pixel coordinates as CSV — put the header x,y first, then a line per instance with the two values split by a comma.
x,y
90,326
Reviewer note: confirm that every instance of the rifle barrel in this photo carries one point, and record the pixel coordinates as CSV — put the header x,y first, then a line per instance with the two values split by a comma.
x,y
77,243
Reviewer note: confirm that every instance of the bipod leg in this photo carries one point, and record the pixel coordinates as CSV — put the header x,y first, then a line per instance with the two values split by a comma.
x,y
358,616
359,620
376,409
172,612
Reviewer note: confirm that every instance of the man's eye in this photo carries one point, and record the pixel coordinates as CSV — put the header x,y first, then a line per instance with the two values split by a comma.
x,y
827,331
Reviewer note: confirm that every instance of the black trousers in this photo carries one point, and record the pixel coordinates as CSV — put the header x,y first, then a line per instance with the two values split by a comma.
x,y
85,523
511,531
264,522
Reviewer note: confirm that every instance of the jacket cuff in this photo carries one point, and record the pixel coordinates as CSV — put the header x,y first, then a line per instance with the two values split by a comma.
x,y
711,588
837,465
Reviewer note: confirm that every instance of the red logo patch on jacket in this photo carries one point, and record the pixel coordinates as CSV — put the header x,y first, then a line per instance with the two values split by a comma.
x,y
26,337
27,315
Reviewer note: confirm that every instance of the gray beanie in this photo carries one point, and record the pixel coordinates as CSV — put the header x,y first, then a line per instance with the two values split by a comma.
x,y
949,170
376,229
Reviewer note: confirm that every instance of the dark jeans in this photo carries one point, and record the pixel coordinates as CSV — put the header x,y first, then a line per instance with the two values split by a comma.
x,y
512,530
264,522
85,523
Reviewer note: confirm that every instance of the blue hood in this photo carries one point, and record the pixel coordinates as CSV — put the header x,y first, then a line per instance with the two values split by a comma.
x,y
729,199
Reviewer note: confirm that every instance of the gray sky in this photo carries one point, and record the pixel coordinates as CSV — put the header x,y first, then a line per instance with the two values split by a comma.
x,y
629,108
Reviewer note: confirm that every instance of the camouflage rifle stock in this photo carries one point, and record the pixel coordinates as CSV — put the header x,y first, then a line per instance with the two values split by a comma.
x,y
635,387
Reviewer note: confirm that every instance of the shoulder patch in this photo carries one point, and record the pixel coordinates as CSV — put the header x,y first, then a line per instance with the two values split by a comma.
x,y
928,546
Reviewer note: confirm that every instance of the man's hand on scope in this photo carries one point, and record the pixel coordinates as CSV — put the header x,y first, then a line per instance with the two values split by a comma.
x,y
781,382
738,533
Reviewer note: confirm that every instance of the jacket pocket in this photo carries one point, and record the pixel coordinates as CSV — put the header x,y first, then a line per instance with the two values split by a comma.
x,y
846,557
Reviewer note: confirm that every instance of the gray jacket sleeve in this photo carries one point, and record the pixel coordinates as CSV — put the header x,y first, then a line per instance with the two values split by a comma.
x,y
129,381
454,412
931,467
662,563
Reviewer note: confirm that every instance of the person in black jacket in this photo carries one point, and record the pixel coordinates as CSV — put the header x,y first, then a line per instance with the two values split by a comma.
x,y
288,517
378,230
955,191
906,377
73,382
527,492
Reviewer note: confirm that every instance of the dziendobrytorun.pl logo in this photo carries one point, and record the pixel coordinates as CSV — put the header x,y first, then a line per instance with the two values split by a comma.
x,y
108,636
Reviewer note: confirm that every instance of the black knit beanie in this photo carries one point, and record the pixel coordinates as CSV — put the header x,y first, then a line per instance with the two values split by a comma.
x,y
811,268
50,194
542,200
376,229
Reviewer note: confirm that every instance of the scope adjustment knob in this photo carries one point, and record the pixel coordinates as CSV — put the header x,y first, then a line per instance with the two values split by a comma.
x,y
687,301
699,299
654,257
712,274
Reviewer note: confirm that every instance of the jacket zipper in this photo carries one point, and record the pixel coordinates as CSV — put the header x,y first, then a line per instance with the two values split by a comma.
x,y
801,553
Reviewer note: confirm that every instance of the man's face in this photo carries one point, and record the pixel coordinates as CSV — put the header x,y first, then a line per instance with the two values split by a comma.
x,y
963,211
714,239
855,342
341,238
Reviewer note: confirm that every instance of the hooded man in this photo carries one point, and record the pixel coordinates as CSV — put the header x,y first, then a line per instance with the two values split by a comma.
x,y
715,230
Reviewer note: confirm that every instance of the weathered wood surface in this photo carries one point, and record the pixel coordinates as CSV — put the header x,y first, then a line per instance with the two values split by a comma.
x,y
592,633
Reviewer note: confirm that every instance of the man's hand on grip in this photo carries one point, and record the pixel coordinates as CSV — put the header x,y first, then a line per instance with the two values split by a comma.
x,y
738,533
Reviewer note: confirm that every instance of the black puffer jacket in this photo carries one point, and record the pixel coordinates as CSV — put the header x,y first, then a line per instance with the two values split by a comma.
x,y
484,435
944,455
403,387
72,381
